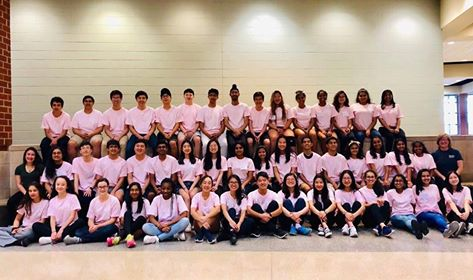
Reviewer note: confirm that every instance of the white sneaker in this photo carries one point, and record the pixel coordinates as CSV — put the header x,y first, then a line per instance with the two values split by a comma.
x,y
353,232
345,230
68,240
327,233
469,228
150,239
44,240
320,230
181,236
188,228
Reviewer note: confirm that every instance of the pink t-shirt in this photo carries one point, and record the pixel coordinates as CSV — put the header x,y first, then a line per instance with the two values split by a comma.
x,y
213,172
189,115
309,166
167,209
236,114
369,196
164,168
291,197
255,197
85,170
211,118
241,167
141,120
113,170
427,200
345,113
270,170
364,114
259,119
61,209
227,200
277,117
459,198
38,212
134,209
87,122
140,169
425,161
56,125
324,115
391,161
189,171
358,167
64,170
168,118
205,205
390,114
102,211
303,115
401,203
378,162
334,165
283,166
310,196
350,197
115,120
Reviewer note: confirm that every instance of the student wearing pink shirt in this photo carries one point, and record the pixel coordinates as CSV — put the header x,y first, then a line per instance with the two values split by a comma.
x,y
322,206
280,120
56,166
205,210
55,124
236,117
62,213
427,197
294,207
168,120
343,122
190,171
114,123
458,201
167,216
133,215
333,163
141,123
162,166
303,120
84,177
422,159
241,166
324,119
262,162
283,159
113,167
189,128
139,169
33,208
258,124
86,126
235,222
356,161
390,119
309,164
349,204
366,115
402,201
376,205
211,123
102,216
375,158
399,162
215,166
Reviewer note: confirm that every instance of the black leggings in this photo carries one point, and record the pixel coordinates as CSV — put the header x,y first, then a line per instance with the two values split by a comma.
x,y
130,226
270,226
375,215
314,219
451,216
12,206
84,204
246,227
44,229
286,222
340,218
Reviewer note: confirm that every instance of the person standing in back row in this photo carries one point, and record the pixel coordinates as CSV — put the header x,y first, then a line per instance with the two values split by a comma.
x,y
236,116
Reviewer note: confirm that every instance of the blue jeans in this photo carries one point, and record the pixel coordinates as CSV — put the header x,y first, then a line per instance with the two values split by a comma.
x,y
99,235
403,221
180,226
7,238
130,145
433,219
360,135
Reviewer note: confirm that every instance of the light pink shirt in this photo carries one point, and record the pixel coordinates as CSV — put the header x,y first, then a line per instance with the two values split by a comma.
x,y
324,115
167,209
213,172
56,125
459,198
38,212
270,170
61,209
369,196
425,161
87,122
227,200
310,196
390,114
391,161
378,162
358,167
168,118
259,119
102,211
189,115
141,120
303,115
236,114
255,197
85,170
283,166
350,197
115,120
205,206
64,170
309,167
364,114
401,203
164,168
241,167
277,117
211,118
113,170
189,171
427,200
334,165
291,197
345,113
134,209
140,169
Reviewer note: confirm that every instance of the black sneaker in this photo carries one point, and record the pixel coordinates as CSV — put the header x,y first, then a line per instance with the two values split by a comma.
x,y
280,233
424,228
25,242
256,233
233,239
416,228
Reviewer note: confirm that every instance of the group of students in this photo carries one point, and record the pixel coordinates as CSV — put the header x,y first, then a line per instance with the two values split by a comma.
x,y
227,192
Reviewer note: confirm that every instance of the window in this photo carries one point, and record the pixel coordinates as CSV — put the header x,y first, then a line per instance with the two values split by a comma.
x,y
450,117
469,111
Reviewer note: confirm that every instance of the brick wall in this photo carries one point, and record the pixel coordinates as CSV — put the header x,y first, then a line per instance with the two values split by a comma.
x,y
5,77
